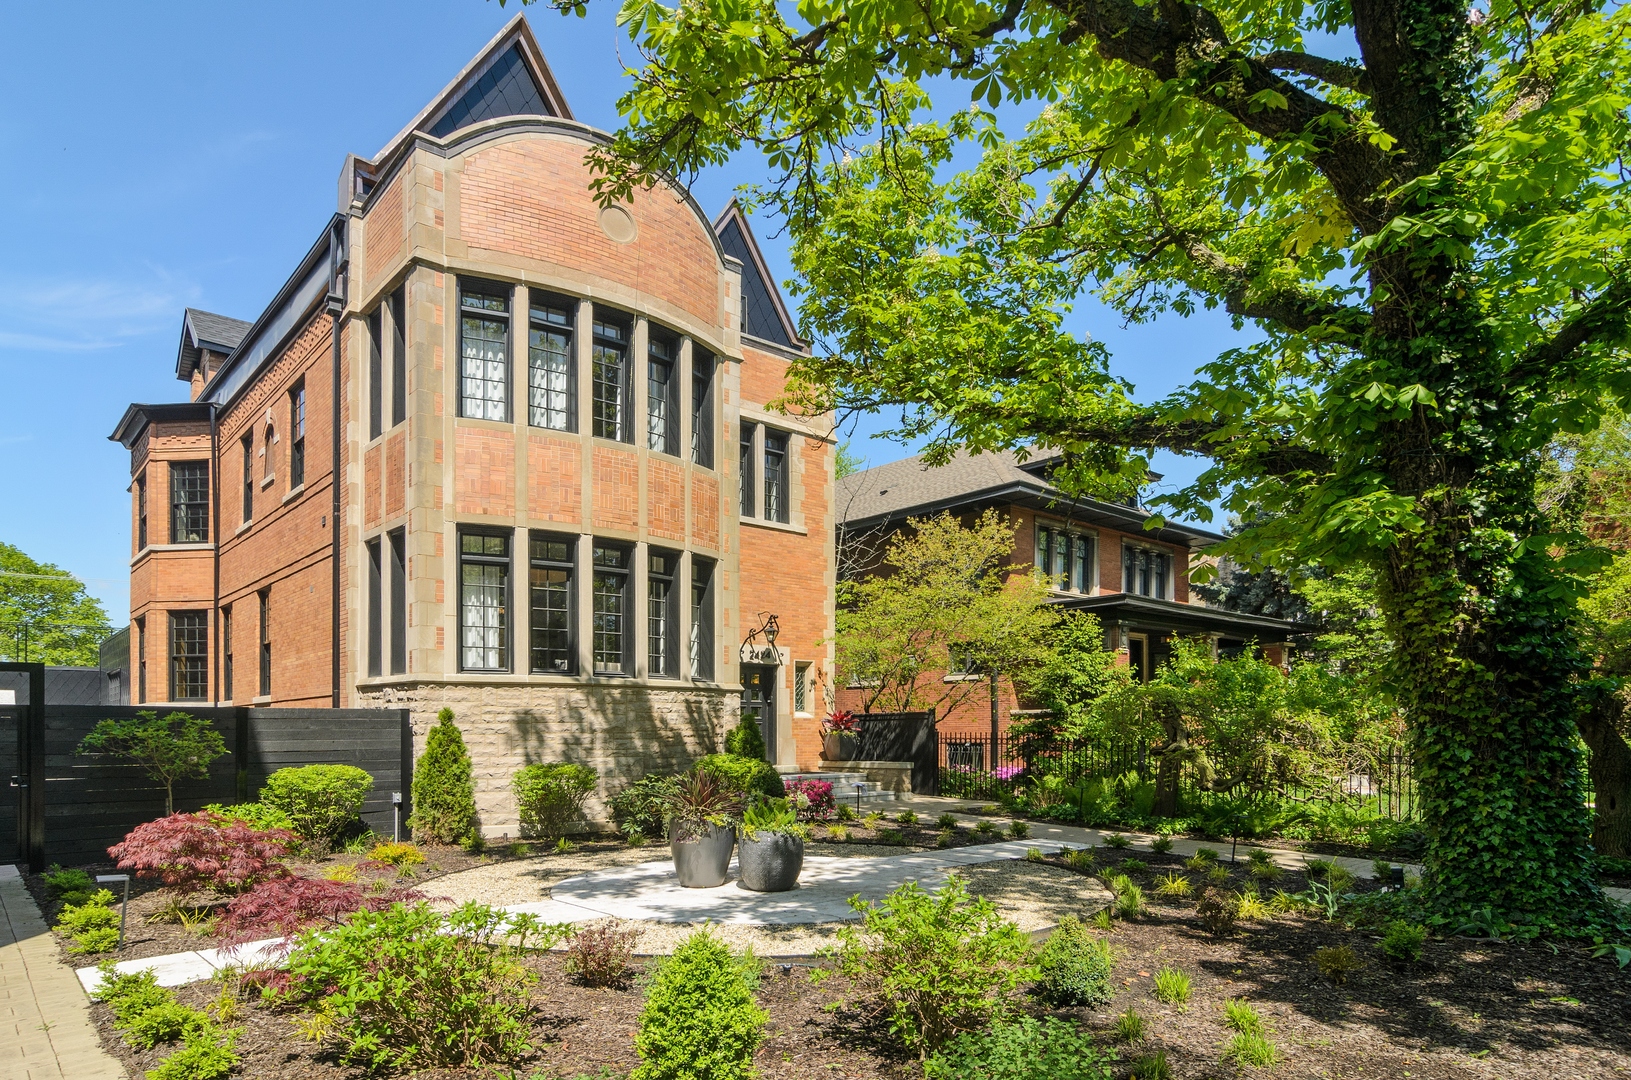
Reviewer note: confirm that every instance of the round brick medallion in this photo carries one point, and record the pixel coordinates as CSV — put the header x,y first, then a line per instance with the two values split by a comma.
x,y
616,223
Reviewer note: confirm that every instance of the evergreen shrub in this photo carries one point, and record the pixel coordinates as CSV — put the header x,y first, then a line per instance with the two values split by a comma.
x,y
322,801
444,794
1023,1049
549,797
746,740
1075,966
700,1021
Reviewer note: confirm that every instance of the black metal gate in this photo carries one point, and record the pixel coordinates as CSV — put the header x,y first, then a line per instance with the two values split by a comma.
x,y
22,759
909,736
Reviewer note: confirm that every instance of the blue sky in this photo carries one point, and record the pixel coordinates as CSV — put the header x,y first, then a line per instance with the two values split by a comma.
x,y
163,156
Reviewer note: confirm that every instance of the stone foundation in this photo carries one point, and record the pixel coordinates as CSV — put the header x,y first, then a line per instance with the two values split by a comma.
x,y
623,732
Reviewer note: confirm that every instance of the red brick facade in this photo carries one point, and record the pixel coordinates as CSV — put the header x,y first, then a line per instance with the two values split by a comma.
x,y
503,207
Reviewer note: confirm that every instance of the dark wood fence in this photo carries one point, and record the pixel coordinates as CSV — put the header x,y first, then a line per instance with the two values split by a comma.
x,y
92,802
908,736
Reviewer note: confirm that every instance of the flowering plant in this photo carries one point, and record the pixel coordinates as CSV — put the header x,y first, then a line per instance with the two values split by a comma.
x,y
813,799
841,722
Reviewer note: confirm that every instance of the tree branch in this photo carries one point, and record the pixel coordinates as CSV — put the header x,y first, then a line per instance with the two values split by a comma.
x,y
1344,73
1606,318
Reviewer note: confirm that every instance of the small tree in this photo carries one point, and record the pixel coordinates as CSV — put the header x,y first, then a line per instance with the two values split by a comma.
x,y
951,595
180,746
745,739
444,796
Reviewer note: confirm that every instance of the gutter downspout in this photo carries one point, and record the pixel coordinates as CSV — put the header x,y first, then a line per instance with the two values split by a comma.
x,y
215,557
336,307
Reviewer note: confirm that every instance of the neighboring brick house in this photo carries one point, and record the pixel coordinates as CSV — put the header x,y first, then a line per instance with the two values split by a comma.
x,y
564,507
1098,555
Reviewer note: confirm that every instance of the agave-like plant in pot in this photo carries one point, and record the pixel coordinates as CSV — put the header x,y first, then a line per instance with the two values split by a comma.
x,y
772,846
702,817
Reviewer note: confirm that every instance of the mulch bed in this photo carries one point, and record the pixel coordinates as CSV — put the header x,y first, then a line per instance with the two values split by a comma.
x,y
1469,1009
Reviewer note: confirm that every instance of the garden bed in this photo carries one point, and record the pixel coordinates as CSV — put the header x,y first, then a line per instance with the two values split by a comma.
x,y
1467,1009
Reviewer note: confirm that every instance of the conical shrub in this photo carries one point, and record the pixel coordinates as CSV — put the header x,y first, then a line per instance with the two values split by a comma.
x,y
444,796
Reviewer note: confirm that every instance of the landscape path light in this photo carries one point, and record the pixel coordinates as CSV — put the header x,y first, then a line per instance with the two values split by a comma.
x,y
124,905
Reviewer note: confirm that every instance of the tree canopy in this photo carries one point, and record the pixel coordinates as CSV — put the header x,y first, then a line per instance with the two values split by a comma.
x,y
45,613
1429,236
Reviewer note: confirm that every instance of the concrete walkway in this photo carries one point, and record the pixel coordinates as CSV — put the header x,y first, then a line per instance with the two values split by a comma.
x,y
47,1032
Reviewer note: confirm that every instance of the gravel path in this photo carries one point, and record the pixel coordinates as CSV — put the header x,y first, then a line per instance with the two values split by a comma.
x,y
1034,896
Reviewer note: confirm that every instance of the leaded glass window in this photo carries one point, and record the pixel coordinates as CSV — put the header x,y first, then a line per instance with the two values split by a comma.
x,y
189,671
612,633
702,408
610,406
554,652
551,402
776,485
484,572
702,618
1145,572
484,346
189,502
748,472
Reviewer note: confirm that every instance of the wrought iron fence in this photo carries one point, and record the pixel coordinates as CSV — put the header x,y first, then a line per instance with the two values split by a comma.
x,y
976,767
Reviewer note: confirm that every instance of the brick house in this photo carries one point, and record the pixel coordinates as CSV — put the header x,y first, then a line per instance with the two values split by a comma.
x,y
497,448
1097,556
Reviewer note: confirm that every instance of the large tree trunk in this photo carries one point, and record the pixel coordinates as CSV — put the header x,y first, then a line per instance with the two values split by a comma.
x,y
1610,767
1490,676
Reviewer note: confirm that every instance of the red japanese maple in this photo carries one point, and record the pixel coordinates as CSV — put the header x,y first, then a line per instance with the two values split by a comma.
x,y
202,851
286,906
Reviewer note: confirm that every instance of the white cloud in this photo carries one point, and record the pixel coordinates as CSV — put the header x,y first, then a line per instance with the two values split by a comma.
x,y
87,314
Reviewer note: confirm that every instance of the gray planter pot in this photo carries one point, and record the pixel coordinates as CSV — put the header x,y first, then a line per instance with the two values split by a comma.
x,y
703,861
840,746
770,862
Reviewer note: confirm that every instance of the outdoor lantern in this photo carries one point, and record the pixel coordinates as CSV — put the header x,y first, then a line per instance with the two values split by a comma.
x,y
772,628
115,879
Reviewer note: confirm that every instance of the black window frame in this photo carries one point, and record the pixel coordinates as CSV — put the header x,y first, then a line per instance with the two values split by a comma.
x,y
189,656
662,613
1142,568
552,554
475,304
247,443
700,637
397,540
502,562
748,469
605,572
376,615
662,392
376,374
611,337
555,315
297,435
190,517
399,356
141,512
265,649
141,661
778,474
702,407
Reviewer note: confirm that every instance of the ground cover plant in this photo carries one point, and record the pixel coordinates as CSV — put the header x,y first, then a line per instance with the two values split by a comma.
x,y
1022,1049
149,1016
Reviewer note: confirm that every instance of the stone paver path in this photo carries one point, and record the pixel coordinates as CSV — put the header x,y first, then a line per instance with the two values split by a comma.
x,y
47,1033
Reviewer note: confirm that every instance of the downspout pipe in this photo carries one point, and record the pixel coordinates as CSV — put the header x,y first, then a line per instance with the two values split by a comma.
x,y
215,555
336,308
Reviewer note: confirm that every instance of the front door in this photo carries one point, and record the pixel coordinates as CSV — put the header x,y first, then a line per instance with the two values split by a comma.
x,y
759,702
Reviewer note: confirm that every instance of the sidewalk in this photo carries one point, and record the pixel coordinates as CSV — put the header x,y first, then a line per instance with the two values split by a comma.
x,y
47,1032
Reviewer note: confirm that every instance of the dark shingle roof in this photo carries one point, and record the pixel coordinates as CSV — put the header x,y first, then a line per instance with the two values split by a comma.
x,y
206,330
908,487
